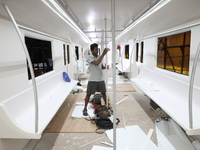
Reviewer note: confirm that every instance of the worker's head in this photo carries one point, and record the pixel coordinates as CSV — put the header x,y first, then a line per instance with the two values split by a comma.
x,y
94,49
93,46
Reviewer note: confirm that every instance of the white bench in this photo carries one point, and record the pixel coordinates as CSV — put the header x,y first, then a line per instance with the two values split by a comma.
x,y
81,70
17,114
171,95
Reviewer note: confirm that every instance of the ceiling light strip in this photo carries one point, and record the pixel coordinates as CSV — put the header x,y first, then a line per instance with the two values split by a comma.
x,y
69,13
146,14
59,11
72,24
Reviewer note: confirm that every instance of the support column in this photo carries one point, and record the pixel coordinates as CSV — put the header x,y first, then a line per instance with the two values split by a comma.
x,y
106,62
191,87
114,72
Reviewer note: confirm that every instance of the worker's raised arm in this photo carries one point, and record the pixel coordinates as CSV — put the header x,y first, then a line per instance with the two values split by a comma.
x,y
97,62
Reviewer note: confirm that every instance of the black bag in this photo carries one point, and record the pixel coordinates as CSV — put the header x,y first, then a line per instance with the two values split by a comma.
x,y
97,99
105,124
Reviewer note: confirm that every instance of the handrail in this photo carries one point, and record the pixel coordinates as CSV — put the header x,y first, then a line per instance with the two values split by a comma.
x,y
122,52
41,33
114,72
106,62
76,57
134,43
132,58
191,87
29,64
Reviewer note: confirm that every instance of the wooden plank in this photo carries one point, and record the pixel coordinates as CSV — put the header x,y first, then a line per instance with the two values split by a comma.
x,y
63,122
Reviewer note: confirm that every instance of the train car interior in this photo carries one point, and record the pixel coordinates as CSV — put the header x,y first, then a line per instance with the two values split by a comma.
x,y
151,74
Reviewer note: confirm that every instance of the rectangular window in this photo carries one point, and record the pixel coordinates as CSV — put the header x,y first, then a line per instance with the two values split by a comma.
x,y
137,49
126,52
99,51
40,54
77,52
64,53
141,52
174,52
68,54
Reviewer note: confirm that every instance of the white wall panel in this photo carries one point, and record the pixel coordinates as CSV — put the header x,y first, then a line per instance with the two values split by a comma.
x,y
13,75
195,41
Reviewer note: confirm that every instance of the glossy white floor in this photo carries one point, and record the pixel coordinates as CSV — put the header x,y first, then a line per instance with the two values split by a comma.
x,y
133,111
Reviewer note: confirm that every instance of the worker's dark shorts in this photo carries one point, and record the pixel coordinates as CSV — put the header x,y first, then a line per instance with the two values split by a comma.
x,y
93,87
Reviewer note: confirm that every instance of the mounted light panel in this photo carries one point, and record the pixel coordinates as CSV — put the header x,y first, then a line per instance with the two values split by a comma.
x,y
56,8
61,13
153,9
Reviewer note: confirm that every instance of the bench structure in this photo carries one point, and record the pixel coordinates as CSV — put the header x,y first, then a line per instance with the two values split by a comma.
x,y
81,73
124,65
17,114
172,95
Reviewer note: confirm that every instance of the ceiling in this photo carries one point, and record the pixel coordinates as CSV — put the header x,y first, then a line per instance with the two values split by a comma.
x,y
94,16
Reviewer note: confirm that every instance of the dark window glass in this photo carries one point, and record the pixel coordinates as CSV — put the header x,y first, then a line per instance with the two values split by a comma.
x,y
64,53
40,54
141,52
126,52
68,54
77,52
137,49
99,51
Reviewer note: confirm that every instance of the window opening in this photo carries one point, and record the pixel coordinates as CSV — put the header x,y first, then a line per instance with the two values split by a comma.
x,y
126,54
41,56
68,54
173,53
99,51
64,53
137,49
141,52
77,52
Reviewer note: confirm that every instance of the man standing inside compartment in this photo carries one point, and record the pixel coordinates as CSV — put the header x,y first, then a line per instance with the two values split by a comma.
x,y
96,82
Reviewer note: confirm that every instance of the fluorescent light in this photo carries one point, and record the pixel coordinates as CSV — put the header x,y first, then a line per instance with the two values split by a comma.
x,y
159,5
59,11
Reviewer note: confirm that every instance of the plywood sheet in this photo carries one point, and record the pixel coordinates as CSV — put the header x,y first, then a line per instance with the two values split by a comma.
x,y
77,110
64,122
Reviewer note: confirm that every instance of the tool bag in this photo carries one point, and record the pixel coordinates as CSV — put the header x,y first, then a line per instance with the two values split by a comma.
x,y
103,124
102,112
102,120
97,99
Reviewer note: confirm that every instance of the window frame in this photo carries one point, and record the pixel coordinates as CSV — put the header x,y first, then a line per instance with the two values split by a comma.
x,y
167,51
40,52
